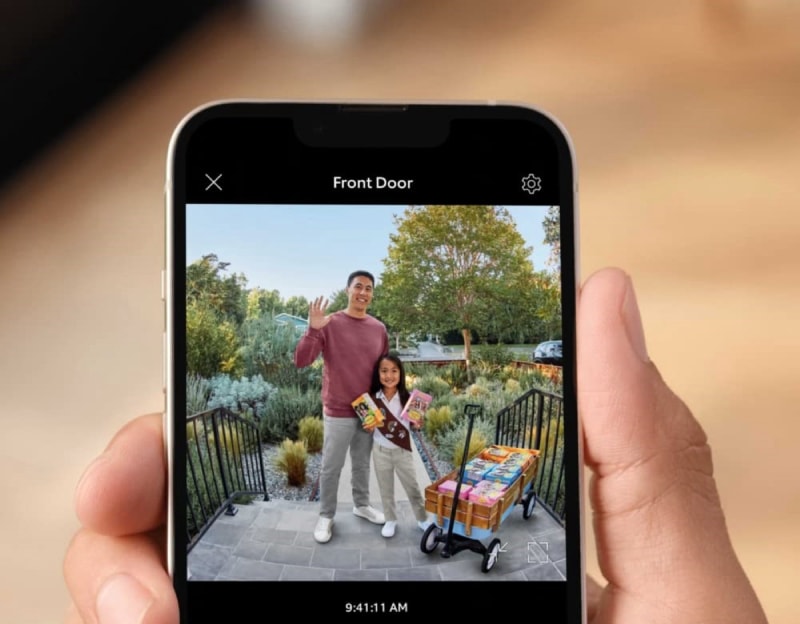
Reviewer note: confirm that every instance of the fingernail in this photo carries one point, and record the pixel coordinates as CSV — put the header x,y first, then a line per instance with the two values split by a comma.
x,y
122,600
633,322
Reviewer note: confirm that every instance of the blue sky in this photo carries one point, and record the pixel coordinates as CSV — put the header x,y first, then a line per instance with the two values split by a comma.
x,y
310,250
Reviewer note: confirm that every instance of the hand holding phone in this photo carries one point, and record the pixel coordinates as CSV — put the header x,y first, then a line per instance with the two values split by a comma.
x,y
353,170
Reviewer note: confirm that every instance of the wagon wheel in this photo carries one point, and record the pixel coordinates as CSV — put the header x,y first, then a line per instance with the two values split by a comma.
x,y
528,504
490,556
430,539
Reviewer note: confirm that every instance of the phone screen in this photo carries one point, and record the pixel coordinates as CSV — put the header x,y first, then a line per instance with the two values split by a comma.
x,y
458,223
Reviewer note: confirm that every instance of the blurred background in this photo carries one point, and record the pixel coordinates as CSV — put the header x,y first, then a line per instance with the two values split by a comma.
x,y
684,117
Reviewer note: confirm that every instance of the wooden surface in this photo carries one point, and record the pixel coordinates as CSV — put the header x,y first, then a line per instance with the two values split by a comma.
x,y
685,119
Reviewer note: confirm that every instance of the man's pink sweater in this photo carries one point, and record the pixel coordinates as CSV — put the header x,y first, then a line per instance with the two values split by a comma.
x,y
350,348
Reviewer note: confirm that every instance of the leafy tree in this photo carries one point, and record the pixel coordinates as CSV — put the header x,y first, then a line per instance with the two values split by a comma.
x,y
338,301
211,343
548,305
455,267
527,302
552,237
296,306
261,302
207,282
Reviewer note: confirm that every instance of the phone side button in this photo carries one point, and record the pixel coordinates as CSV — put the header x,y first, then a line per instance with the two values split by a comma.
x,y
164,362
163,285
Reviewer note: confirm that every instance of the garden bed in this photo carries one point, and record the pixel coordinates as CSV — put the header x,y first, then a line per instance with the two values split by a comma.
x,y
278,487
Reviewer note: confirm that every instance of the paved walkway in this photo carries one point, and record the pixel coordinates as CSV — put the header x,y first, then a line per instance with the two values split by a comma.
x,y
273,541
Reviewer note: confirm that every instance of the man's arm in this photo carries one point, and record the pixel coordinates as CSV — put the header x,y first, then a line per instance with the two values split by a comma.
x,y
312,342
308,348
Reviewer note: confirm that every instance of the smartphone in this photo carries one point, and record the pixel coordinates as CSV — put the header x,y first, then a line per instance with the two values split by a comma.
x,y
304,240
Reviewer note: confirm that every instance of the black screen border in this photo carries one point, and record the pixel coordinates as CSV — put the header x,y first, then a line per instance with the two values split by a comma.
x,y
240,599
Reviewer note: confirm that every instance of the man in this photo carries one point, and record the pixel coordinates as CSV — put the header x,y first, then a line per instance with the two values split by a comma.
x,y
350,341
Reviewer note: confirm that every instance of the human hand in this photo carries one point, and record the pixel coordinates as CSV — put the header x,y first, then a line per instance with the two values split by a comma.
x,y
662,542
115,566
316,313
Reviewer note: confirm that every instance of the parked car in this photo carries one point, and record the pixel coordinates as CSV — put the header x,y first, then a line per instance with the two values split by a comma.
x,y
548,352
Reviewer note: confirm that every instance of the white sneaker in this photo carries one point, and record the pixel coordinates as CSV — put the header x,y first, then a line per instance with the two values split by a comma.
x,y
424,524
323,530
369,513
388,528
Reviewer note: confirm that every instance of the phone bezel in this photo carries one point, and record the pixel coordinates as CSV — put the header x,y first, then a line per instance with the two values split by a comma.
x,y
174,197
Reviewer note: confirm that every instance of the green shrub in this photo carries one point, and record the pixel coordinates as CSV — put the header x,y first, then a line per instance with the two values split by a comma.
x,y
194,428
211,341
533,378
234,440
246,396
437,419
481,387
477,443
268,350
291,459
433,385
457,403
451,442
285,409
492,357
310,430
202,499
455,375
198,391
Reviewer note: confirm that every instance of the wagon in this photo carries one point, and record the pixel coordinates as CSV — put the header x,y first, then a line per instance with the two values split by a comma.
x,y
463,526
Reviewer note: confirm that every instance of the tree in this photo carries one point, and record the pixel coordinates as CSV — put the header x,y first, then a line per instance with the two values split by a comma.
x,y
548,305
208,283
338,301
296,306
261,302
552,237
211,343
455,267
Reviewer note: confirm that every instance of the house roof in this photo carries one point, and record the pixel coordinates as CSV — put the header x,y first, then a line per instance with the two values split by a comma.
x,y
288,319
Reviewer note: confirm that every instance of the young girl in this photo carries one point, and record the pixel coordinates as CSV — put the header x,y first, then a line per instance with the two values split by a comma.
x,y
392,450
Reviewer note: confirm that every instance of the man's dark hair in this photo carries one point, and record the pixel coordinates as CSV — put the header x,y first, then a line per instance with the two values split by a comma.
x,y
356,274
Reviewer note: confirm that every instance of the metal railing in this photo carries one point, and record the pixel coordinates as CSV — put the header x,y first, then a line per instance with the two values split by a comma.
x,y
536,421
224,463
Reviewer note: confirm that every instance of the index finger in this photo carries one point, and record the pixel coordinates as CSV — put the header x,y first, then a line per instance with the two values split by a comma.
x,y
123,491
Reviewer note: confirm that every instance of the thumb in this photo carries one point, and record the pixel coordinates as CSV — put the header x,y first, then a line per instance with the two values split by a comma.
x,y
662,541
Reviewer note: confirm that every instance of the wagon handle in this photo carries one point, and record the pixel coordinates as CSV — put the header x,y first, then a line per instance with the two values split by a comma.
x,y
470,410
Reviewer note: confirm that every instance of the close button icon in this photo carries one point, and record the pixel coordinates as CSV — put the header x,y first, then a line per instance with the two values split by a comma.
x,y
214,182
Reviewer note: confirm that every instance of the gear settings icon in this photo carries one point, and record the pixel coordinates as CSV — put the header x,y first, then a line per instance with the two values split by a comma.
x,y
531,184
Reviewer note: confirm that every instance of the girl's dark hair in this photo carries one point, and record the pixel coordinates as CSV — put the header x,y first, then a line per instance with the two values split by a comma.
x,y
401,384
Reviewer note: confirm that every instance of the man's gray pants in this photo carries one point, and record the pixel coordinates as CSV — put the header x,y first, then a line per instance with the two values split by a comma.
x,y
341,434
